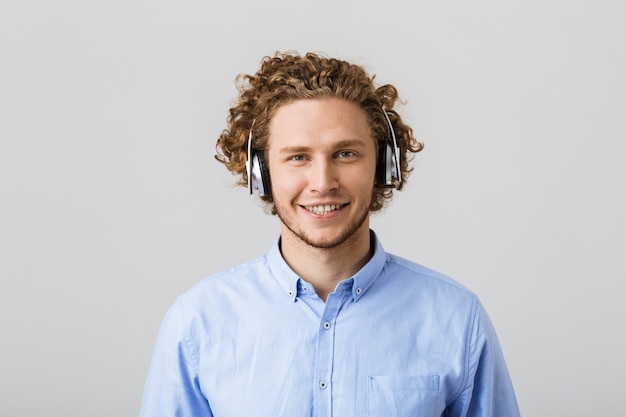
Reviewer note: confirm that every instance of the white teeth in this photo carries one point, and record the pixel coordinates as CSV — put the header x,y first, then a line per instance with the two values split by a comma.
x,y
321,210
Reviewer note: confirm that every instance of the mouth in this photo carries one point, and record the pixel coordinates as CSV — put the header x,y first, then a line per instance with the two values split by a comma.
x,y
321,210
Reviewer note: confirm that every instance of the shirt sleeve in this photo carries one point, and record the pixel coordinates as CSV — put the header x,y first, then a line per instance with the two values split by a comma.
x,y
172,386
488,391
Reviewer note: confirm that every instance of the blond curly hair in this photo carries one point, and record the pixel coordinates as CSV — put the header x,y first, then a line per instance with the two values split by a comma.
x,y
287,77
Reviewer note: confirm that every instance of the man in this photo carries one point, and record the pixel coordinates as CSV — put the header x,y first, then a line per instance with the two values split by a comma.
x,y
326,323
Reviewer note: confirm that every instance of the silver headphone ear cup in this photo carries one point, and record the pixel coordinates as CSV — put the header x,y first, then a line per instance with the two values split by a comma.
x,y
390,166
256,175
257,170
382,165
386,167
393,165
260,175
392,158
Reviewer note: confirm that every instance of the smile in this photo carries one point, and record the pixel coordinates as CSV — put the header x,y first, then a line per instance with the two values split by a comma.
x,y
324,209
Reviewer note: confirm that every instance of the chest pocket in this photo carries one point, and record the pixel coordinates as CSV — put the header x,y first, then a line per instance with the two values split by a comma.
x,y
403,396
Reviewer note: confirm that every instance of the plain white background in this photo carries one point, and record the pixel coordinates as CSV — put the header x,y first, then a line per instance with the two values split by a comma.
x,y
112,204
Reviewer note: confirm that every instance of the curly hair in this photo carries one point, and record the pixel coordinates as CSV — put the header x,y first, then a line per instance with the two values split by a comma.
x,y
287,77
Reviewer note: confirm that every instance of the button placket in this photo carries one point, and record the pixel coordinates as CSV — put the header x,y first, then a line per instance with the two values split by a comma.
x,y
325,354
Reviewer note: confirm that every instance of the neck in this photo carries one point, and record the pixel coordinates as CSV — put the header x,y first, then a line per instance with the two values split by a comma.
x,y
325,267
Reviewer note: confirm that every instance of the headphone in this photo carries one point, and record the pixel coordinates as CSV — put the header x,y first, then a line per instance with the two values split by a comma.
x,y
387,167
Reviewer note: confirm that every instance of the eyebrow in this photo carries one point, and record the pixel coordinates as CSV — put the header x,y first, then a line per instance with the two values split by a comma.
x,y
346,143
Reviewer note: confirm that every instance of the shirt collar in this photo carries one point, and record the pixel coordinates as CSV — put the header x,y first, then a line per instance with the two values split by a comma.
x,y
361,281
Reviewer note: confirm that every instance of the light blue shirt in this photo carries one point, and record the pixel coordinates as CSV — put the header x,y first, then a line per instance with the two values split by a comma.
x,y
396,339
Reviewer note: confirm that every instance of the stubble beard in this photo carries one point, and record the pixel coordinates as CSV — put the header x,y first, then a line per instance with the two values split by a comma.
x,y
348,233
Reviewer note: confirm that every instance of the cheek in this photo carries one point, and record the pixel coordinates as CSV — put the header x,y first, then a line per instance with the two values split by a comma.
x,y
362,181
285,185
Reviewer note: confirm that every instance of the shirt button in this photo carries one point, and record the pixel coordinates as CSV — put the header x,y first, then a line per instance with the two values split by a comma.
x,y
358,291
290,293
326,325
323,384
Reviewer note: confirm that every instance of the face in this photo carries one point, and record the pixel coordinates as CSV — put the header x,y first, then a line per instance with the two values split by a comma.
x,y
322,163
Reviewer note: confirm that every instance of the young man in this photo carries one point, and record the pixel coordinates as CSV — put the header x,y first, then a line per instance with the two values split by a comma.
x,y
326,323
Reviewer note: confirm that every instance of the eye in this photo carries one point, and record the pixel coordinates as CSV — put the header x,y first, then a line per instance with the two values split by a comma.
x,y
346,154
297,158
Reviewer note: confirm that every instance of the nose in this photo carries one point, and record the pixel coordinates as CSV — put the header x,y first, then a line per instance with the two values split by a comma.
x,y
323,177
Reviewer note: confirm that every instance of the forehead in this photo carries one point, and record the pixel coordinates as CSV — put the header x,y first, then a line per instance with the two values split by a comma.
x,y
318,121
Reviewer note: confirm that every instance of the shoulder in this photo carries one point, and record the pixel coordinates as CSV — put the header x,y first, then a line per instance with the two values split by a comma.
x,y
420,287
422,275
217,298
236,279
223,293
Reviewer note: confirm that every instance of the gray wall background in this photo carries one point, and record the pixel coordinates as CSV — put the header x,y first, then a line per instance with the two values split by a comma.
x,y
112,204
